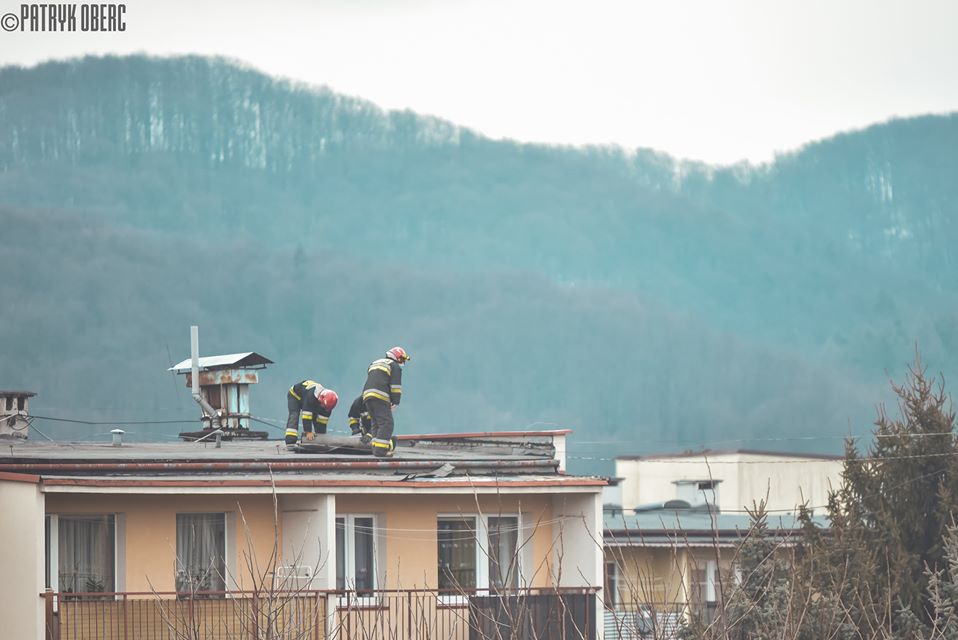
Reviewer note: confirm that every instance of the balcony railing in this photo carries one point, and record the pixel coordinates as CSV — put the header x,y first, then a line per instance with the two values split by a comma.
x,y
556,613
646,621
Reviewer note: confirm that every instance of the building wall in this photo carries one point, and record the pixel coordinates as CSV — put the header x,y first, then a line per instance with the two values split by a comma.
x,y
149,532
308,529
577,540
21,560
409,543
664,576
787,481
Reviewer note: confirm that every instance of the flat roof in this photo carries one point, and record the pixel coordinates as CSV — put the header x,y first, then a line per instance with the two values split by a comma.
x,y
410,448
18,394
494,459
471,435
656,527
728,452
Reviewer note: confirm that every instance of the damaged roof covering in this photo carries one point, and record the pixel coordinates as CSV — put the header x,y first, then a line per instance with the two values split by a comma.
x,y
520,460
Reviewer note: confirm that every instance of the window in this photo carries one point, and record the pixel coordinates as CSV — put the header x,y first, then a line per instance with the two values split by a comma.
x,y
503,559
86,553
611,585
356,554
47,553
706,578
200,552
478,553
457,553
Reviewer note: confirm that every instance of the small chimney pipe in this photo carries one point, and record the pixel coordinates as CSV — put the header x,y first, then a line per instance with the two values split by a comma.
x,y
208,410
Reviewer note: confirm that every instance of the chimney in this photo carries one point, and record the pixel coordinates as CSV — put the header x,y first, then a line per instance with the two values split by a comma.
x,y
14,412
221,385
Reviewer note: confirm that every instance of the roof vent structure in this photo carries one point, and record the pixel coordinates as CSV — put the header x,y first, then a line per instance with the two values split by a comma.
x,y
14,412
223,388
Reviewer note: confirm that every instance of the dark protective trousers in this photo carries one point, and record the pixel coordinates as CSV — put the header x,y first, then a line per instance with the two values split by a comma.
x,y
292,422
359,422
382,416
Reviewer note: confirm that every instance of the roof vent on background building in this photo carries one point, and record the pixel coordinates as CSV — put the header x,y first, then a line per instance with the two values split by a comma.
x,y
698,493
675,505
14,413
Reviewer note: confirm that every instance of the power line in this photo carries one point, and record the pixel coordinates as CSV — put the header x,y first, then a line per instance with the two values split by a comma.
x,y
108,422
272,423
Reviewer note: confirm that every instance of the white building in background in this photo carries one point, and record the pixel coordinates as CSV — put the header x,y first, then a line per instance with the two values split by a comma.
x,y
730,480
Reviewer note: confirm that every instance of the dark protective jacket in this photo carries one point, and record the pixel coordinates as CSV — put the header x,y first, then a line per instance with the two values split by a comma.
x,y
383,381
312,410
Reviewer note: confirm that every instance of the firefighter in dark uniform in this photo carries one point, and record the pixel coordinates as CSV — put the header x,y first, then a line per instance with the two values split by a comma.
x,y
315,402
381,395
360,424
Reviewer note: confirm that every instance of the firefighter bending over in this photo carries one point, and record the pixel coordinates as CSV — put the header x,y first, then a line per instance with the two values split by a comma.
x,y
315,402
381,395
360,424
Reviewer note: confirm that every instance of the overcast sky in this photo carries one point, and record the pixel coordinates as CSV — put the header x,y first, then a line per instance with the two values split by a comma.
x,y
716,80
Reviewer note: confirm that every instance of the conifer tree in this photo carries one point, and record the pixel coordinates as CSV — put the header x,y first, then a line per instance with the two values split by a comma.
x,y
889,518
758,604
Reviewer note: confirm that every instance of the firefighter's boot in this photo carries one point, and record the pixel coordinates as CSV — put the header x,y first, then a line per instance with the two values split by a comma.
x,y
383,448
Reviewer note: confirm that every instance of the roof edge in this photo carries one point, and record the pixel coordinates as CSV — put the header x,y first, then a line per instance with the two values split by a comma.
x,y
29,478
483,434
288,482
726,452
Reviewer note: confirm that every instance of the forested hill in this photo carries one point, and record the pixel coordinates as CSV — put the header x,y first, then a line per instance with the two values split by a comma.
x,y
647,302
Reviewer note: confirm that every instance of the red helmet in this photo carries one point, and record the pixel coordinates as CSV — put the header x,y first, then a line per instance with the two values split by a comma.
x,y
398,354
327,398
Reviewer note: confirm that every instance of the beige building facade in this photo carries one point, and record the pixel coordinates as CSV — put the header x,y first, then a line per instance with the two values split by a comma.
x,y
105,542
732,481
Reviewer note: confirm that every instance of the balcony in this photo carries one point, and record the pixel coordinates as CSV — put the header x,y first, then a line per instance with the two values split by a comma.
x,y
557,613
651,621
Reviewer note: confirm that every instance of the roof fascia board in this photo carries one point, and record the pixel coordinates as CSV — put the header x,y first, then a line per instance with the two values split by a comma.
x,y
364,490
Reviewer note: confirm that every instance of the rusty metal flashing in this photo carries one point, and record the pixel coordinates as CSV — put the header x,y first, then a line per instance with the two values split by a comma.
x,y
440,483
28,478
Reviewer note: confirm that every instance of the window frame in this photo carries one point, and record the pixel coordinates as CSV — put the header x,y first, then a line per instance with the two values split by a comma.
x,y
351,597
516,553
51,545
229,581
611,585
482,557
